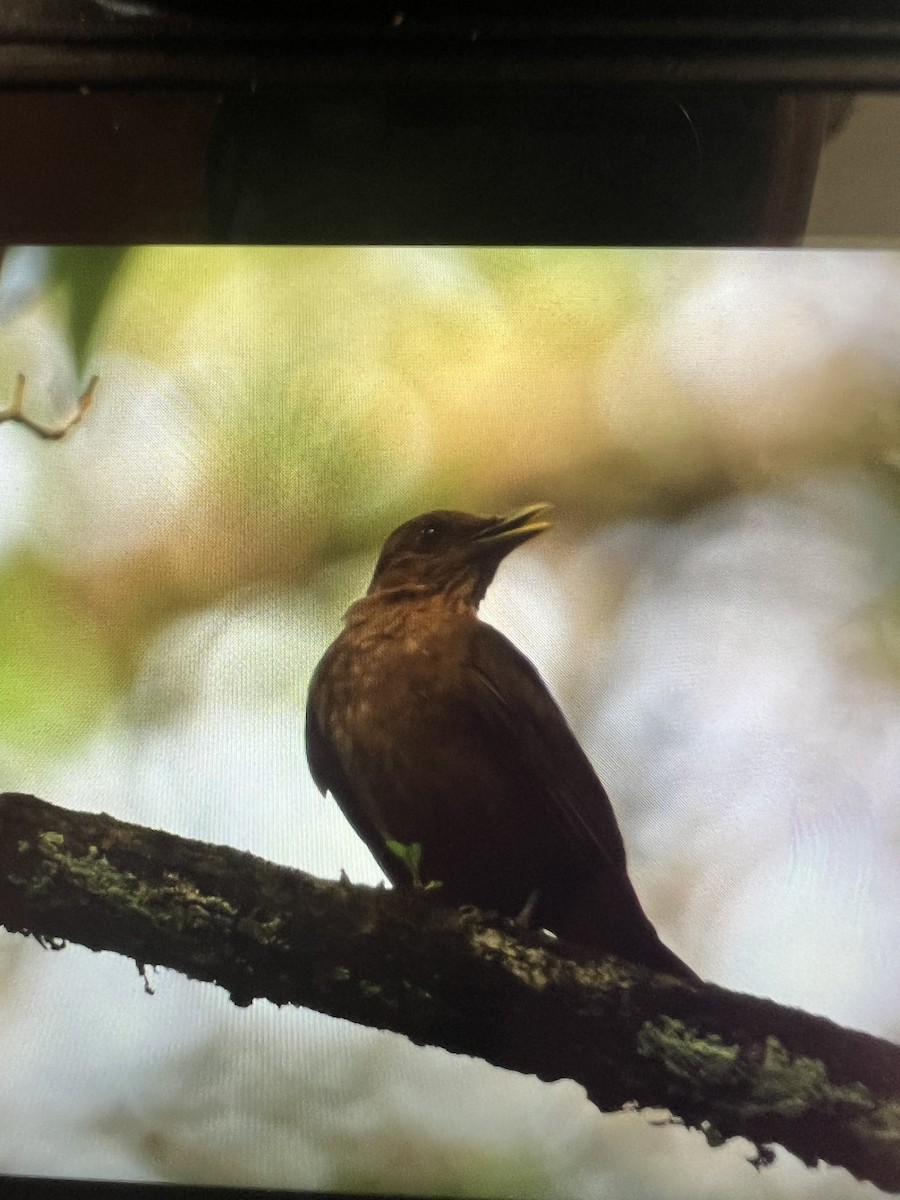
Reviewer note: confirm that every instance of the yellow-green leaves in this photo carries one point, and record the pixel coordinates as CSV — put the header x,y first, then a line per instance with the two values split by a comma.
x,y
410,854
84,278
56,667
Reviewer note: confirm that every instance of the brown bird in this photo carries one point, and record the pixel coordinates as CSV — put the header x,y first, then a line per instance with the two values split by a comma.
x,y
451,760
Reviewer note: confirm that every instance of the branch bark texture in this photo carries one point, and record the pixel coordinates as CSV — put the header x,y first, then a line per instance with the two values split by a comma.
x,y
456,979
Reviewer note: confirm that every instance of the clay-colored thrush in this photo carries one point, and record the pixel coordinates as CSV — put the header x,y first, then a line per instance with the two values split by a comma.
x,y
451,760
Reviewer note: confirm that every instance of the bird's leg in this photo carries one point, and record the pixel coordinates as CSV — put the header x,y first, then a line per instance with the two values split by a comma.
x,y
526,916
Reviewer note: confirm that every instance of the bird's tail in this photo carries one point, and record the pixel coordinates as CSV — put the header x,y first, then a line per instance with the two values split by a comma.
x,y
606,917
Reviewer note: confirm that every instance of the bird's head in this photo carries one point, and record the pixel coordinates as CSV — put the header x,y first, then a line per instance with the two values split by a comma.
x,y
453,553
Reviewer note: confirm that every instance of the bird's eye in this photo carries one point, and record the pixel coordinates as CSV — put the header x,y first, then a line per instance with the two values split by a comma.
x,y
430,535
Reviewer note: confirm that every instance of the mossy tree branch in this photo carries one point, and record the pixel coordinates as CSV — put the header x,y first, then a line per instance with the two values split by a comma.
x,y
456,979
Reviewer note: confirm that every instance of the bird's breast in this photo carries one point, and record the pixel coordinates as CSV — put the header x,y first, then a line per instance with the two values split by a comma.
x,y
388,683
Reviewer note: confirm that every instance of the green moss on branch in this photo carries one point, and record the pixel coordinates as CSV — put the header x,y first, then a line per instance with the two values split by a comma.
x,y
456,979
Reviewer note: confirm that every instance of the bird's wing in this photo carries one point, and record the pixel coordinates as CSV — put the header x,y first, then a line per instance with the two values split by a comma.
x,y
524,724
330,776
324,764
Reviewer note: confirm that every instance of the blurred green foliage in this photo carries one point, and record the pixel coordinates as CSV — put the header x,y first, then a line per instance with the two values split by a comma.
x,y
84,278
309,398
266,411
57,677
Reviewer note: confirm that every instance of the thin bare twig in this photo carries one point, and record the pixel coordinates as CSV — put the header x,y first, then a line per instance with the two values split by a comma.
x,y
14,411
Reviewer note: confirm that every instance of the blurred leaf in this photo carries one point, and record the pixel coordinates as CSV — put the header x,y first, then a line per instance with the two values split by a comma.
x,y
84,276
56,671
